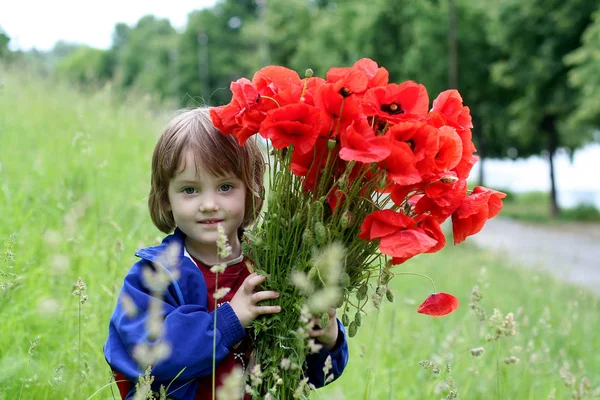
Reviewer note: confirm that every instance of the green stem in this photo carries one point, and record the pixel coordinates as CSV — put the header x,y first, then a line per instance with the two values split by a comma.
x,y
79,344
417,274
497,370
214,357
272,99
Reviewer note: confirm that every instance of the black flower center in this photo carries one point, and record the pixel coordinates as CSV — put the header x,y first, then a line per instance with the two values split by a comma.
x,y
392,109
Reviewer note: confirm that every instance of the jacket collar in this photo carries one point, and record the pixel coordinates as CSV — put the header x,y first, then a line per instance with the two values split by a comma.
x,y
157,254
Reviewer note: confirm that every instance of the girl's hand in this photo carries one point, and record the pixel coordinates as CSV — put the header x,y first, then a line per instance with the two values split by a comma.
x,y
328,335
244,302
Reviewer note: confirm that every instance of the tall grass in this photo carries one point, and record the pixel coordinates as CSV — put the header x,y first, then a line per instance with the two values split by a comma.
x,y
74,175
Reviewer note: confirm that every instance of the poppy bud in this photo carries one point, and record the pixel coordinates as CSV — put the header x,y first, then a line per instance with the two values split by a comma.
x,y
389,295
308,237
320,232
331,144
346,219
309,73
352,329
312,273
438,304
345,280
358,318
345,319
362,292
324,320
449,179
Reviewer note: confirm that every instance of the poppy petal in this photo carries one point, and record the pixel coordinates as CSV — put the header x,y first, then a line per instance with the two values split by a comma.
x,y
438,304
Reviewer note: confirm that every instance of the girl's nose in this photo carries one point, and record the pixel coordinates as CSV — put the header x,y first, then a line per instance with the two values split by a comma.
x,y
208,204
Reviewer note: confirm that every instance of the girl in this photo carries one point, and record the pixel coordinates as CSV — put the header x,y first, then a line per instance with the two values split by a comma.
x,y
204,185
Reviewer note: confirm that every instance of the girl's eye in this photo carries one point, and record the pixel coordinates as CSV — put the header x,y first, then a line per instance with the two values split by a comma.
x,y
226,187
189,190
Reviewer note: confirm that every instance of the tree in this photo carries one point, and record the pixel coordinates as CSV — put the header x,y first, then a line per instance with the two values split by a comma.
x,y
417,47
212,51
585,78
4,40
85,66
144,56
535,36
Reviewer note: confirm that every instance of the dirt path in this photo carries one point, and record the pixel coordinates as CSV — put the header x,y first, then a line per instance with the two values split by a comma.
x,y
571,251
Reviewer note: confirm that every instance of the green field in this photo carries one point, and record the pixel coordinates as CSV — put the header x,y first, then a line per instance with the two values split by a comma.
x,y
74,175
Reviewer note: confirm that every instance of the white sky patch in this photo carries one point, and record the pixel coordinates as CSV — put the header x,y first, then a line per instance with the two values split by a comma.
x,y
40,24
578,182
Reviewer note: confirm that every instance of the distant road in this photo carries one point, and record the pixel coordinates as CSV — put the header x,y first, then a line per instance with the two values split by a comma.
x,y
571,251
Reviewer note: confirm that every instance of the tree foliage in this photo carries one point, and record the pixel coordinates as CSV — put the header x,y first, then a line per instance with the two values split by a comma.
x,y
528,69
4,40
584,75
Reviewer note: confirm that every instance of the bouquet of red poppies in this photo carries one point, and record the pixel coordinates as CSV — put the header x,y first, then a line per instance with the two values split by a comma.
x,y
358,161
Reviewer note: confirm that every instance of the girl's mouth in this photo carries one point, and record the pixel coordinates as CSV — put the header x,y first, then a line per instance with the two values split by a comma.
x,y
211,221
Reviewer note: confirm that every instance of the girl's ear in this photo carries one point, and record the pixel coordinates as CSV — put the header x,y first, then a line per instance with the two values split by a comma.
x,y
168,206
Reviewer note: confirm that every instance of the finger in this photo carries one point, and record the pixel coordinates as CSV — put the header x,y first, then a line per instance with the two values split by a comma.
x,y
252,281
331,313
264,295
316,332
267,310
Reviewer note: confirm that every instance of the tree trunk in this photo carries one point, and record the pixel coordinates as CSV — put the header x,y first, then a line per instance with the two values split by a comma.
x,y
550,128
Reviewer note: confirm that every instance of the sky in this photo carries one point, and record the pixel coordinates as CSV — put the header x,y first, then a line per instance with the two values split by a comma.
x,y
41,23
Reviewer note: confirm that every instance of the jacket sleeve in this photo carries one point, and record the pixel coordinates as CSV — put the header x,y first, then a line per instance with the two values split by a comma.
x,y
339,359
188,332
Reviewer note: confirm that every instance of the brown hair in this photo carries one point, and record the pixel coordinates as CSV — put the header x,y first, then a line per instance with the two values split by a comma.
x,y
213,151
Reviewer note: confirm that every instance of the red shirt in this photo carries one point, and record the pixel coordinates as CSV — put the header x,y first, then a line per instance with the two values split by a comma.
x,y
233,277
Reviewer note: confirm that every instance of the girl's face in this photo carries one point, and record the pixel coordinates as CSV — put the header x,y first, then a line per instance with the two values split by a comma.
x,y
199,202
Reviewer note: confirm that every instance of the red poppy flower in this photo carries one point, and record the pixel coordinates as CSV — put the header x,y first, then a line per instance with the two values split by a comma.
x,y
295,124
432,228
463,168
474,211
401,165
272,79
232,119
378,76
347,81
438,304
407,243
442,199
467,160
450,149
396,103
383,223
343,110
359,143
450,105
399,235
422,140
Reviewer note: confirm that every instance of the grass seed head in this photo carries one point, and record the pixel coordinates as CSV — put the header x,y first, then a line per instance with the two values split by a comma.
x,y
233,385
477,351
221,292
223,247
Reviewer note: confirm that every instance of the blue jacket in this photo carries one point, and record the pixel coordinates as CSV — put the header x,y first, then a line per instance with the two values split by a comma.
x,y
188,327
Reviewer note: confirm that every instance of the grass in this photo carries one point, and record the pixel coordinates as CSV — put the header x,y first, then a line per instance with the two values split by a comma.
x,y
74,175
535,207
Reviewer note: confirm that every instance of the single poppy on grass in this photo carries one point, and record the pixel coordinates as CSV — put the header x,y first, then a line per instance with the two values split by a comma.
x,y
438,304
